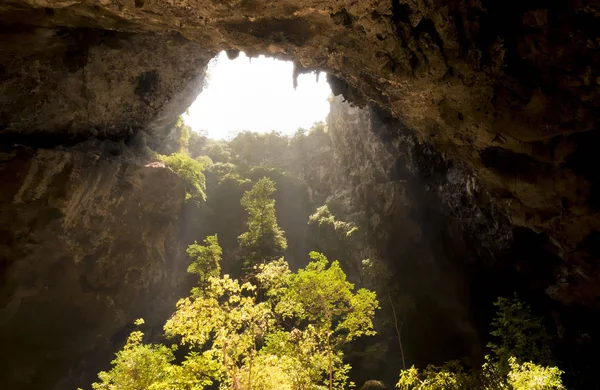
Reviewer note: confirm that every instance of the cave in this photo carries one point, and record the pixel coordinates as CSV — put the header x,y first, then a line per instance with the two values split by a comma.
x,y
464,130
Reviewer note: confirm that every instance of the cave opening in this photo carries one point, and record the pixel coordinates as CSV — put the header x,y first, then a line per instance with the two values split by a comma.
x,y
260,95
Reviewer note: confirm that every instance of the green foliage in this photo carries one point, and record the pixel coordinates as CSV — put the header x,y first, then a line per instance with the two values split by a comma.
x,y
374,273
322,296
516,362
255,149
137,367
262,336
190,171
346,241
450,376
149,367
324,217
205,161
206,259
529,376
264,240
218,151
273,330
519,333
226,320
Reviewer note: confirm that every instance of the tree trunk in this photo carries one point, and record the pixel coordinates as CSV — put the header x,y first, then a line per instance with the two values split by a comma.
x,y
330,363
398,331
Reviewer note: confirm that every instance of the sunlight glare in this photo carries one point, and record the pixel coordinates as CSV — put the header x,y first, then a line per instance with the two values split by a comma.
x,y
257,95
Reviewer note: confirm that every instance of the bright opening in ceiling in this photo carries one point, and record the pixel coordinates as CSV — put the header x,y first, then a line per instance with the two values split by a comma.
x,y
257,95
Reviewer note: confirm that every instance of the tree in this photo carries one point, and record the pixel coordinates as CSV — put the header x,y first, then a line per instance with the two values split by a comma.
x,y
245,332
190,171
218,151
519,333
451,376
322,296
254,149
184,140
149,367
206,259
265,335
264,240
226,321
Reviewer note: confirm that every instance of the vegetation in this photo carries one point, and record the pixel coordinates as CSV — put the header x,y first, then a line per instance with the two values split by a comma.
x,y
206,260
324,217
529,376
264,241
322,296
517,360
184,140
281,330
518,333
190,171
252,322
241,341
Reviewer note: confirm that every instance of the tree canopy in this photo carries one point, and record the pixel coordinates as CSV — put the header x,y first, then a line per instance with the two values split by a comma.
x,y
206,260
275,333
264,240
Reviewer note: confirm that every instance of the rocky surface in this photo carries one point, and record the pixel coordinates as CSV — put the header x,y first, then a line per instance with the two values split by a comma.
x,y
509,90
448,250
66,85
88,244
424,219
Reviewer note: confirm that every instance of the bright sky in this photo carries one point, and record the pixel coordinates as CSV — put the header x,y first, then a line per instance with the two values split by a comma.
x,y
259,96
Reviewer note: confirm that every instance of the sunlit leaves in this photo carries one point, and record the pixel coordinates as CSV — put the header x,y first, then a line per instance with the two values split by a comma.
x,y
190,171
226,318
206,259
321,294
521,337
529,376
324,217
450,376
138,366
273,329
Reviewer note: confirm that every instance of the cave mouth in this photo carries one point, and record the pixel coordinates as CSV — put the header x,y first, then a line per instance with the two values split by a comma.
x,y
260,95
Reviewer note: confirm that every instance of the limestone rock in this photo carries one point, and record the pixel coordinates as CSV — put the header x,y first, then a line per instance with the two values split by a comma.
x,y
89,244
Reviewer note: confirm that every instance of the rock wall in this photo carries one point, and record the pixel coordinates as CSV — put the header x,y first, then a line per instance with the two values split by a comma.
x,y
88,244
61,85
421,216
509,90
450,251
